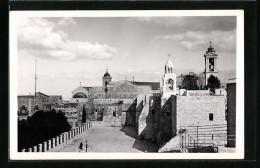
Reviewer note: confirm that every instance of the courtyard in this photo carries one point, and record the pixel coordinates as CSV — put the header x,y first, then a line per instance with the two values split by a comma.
x,y
111,139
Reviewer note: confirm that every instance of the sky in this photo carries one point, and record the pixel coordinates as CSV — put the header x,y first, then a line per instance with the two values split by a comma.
x,y
74,50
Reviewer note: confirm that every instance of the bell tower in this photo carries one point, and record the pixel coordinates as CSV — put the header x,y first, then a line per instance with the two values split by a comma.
x,y
106,80
169,78
210,63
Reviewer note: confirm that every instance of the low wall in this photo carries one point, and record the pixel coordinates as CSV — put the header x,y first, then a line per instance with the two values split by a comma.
x,y
60,141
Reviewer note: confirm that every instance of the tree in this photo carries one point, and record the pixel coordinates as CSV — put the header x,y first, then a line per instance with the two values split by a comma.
x,y
213,82
40,127
84,114
190,82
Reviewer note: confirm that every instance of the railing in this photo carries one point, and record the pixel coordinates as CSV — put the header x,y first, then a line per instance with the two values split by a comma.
x,y
202,138
61,140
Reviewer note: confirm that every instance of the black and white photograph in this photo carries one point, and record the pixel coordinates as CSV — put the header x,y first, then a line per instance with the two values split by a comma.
x,y
126,84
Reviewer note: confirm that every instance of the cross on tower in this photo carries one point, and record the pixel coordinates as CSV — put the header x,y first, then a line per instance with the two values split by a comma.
x,y
210,43
169,55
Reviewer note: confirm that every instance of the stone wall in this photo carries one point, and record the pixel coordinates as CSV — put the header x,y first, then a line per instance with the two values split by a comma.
x,y
109,111
165,120
195,110
30,104
185,112
148,110
231,114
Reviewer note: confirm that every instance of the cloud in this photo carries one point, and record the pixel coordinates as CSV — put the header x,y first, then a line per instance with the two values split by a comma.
x,y
223,40
194,23
41,37
66,21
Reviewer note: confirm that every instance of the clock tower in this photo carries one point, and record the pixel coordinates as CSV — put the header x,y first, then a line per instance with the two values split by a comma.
x,y
210,63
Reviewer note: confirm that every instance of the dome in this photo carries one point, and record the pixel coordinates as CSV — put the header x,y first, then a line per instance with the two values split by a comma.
x,y
106,74
80,95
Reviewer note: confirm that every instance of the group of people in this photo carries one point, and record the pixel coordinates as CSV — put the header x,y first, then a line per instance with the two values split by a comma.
x,y
87,146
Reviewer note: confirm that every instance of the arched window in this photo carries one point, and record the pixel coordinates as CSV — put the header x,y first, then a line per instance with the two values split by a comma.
x,y
23,109
170,84
36,108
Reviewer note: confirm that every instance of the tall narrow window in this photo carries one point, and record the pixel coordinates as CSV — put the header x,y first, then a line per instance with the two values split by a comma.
x,y
153,111
210,116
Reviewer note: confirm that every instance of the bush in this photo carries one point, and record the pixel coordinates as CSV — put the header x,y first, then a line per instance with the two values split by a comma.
x,y
190,82
213,82
40,127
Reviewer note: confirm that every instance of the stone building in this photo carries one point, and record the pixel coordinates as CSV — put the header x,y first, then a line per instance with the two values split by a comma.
x,y
113,103
165,118
210,63
231,113
28,104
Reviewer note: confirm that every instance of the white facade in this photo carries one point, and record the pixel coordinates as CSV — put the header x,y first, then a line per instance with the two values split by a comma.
x,y
210,63
169,79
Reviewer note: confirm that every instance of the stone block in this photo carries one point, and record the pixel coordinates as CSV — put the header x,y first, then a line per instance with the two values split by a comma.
x,y
40,147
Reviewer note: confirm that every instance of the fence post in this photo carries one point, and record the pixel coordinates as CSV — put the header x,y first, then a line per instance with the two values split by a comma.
x,y
40,147
61,139
30,150
57,140
194,145
185,140
67,137
44,146
49,144
70,134
34,148
53,142
182,141
197,136
23,150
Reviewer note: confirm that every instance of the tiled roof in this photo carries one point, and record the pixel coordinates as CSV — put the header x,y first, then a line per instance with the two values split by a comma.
x,y
154,85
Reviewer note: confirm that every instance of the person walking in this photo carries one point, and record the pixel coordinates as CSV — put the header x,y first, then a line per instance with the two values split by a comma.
x,y
88,146
80,147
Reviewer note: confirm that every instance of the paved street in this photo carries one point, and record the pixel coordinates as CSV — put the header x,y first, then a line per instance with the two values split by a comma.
x,y
111,139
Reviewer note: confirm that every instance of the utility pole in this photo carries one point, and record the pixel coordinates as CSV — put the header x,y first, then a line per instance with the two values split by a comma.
x,y
35,78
